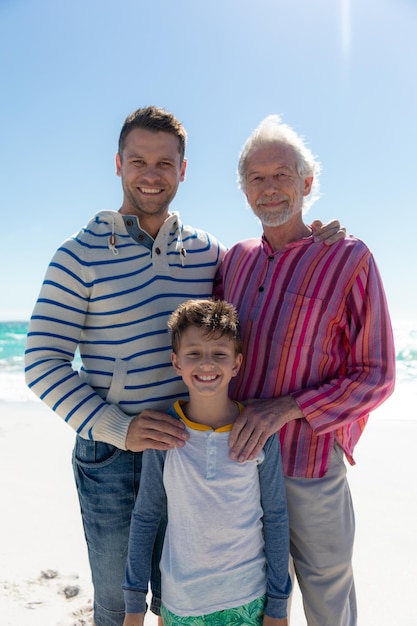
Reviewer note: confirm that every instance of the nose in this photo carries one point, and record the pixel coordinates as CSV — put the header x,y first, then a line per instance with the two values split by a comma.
x,y
206,360
151,173
271,184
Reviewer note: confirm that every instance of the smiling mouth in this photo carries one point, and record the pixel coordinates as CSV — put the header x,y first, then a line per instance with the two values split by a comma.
x,y
272,204
149,191
207,378
272,201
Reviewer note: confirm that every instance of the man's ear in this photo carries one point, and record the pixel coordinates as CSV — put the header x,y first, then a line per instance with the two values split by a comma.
x,y
183,168
118,165
308,182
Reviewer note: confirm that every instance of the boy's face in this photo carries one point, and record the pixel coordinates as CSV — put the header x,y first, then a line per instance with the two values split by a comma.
x,y
206,364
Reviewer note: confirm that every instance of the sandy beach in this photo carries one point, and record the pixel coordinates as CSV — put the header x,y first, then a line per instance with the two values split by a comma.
x,y
44,574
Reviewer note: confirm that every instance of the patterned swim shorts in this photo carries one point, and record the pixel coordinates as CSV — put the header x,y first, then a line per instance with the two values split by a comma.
x,y
250,614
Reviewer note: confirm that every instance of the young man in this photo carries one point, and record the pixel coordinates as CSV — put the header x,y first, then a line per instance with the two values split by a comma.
x,y
109,291
318,353
225,554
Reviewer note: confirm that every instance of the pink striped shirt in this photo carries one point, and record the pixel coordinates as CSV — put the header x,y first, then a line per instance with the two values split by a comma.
x,y
315,325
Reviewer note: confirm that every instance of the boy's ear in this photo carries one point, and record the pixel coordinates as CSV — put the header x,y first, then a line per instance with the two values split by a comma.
x,y
175,363
238,363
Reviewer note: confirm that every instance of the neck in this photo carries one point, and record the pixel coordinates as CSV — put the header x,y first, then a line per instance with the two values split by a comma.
x,y
149,223
213,411
280,236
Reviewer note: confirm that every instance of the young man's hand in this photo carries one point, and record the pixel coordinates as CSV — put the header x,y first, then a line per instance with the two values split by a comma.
x,y
328,233
157,430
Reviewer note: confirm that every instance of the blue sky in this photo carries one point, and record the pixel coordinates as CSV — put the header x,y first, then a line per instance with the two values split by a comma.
x,y
341,72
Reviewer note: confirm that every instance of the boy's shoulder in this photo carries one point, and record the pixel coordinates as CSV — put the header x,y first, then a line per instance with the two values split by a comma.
x,y
175,410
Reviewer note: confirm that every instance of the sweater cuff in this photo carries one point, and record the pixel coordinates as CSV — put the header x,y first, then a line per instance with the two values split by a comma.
x,y
276,607
135,601
112,427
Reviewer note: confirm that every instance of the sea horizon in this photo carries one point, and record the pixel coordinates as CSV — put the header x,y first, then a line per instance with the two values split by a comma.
x,y
13,340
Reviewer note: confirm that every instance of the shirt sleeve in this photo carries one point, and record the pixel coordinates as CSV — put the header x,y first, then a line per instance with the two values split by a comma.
x,y
149,512
275,528
55,331
368,377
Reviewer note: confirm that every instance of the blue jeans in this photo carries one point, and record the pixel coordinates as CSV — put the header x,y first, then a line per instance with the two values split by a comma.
x,y
107,481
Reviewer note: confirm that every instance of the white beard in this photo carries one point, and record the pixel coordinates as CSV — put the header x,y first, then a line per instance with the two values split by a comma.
x,y
271,218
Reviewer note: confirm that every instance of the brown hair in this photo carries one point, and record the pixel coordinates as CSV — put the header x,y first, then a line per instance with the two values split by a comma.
x,y
218,317
156,120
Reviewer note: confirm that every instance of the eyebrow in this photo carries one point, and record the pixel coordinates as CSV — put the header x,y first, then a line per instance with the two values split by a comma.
x,y
284,168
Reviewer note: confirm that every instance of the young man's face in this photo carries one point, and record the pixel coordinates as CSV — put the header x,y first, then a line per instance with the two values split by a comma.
x,y
206,364
150,168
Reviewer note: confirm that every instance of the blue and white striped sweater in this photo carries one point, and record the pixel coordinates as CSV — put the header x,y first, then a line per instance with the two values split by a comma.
x,y
112,299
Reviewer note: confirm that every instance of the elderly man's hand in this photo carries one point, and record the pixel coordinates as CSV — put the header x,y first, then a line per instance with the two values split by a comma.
x,y
153,429
259,420
328,233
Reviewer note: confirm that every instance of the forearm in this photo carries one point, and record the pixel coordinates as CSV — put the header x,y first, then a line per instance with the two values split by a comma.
x,y
341,402
135,619
148,515
275,529
50,375
56,329
268,621
366,377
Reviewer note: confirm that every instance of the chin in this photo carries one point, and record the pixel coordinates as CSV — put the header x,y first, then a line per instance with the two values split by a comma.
x,y
275,220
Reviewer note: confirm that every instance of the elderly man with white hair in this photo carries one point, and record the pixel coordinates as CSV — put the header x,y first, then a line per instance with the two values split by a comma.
x,y
318,358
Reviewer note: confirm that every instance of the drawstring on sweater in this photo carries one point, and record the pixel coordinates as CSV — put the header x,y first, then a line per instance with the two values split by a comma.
x,y
112,239
180,247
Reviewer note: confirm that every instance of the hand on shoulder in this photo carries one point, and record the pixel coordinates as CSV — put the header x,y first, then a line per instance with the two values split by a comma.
x,y
328,233
156,430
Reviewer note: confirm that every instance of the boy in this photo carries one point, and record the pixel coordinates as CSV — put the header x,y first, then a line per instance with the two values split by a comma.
x,y
225,553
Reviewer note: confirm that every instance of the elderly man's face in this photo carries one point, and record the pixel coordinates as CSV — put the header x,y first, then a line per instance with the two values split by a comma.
x,y
274,189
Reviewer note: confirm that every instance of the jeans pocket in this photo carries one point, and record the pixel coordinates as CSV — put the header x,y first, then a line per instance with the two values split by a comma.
x,y
94,454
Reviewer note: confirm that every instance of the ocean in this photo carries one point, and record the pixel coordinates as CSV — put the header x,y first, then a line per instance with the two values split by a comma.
x,y
13,337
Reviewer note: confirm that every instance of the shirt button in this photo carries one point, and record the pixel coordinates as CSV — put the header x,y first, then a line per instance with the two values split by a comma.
x,y
260,289
141,237
157,250
129,222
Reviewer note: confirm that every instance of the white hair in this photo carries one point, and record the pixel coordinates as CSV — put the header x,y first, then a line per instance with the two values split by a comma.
x,y
272,130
